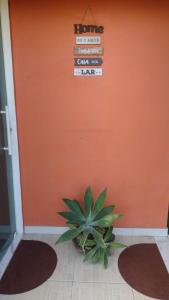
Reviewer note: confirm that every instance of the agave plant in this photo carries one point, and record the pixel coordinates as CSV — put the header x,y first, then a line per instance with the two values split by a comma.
x,y
91,227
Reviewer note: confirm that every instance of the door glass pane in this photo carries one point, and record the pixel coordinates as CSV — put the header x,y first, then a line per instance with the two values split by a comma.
x,y
7,215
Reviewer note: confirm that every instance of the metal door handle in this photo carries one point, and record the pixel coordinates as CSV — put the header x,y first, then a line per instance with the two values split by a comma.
x,y
8,129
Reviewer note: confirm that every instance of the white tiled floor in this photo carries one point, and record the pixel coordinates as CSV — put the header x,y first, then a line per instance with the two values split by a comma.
x,y
75,280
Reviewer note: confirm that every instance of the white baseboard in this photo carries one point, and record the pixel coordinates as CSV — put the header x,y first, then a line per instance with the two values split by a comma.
x,y
9,253
141,231
45,229
118,231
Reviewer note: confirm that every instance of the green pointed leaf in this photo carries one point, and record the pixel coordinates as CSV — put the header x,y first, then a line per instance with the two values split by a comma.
x,y
69,235
75,207
99,202
97,236
108,235
105,260
102,252
79,206
90,254
107,220
83,240
71,226
108,251
117,245
90,243
97,256
73,223
88,201
71,217
105,211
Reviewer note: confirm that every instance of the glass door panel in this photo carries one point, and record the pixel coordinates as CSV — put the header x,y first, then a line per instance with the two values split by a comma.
x,y
7,212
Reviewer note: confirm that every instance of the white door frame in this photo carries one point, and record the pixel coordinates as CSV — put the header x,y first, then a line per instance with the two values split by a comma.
x,y
8,65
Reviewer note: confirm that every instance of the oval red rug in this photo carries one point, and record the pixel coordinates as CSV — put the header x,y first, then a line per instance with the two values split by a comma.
x,y
32,264
142,267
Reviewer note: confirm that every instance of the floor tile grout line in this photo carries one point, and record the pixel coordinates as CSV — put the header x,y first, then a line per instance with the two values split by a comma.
x,y
71,291
90,282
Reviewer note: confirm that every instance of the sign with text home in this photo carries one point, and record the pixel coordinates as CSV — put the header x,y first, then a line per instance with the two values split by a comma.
x,y
88,50
82,28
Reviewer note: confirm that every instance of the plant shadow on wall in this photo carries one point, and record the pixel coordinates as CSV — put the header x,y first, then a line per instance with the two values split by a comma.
x,y
91,228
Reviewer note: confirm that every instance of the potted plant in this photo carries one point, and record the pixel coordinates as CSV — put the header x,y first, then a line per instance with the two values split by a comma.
x,y
91,227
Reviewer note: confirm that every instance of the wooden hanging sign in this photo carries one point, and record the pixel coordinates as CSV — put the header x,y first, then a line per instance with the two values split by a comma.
x,y
84,61
88,51
88,40
87,71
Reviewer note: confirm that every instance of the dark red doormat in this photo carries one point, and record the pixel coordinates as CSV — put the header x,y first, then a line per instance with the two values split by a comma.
x,y
143,269
32,264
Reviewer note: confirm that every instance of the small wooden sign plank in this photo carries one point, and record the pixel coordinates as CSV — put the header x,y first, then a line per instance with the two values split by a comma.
x,y
84,61
88,51
88,40
87,71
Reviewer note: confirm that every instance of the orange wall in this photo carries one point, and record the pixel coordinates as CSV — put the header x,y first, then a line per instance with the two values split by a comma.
x,y
110,131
